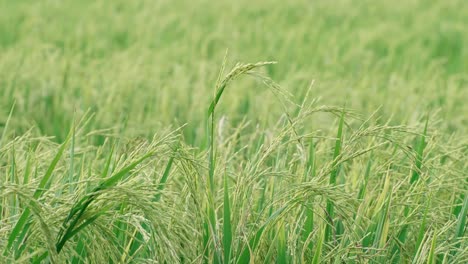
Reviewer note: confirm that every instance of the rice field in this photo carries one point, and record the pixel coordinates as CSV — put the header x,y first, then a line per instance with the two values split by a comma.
x,y
233,131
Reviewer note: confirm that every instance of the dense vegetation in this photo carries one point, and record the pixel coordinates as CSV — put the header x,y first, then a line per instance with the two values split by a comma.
x,y
130,134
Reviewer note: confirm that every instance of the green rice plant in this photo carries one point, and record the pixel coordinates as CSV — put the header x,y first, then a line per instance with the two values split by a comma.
x,y
460,227
5,127
281,256
113,151
333,174
221,85
419,154
415,175
227,228
422,228
20,230
318,249
431,256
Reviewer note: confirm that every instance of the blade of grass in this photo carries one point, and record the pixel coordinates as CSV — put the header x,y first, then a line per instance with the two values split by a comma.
x,y
21,223
310,166
7,123
415,175
333,175
252,245
422,228
419,154
72,220
382,217
318,248
282,249
461,223
105,171
460,228
254,241
81,253
308,224
72,157
164,178
309,213
206,241
227,228
431,259
362,190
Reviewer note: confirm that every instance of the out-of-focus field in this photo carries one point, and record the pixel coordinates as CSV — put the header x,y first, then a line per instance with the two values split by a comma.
x,y
352,147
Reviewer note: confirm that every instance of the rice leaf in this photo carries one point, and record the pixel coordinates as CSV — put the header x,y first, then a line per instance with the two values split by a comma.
x,y
227,228
21,223
333,175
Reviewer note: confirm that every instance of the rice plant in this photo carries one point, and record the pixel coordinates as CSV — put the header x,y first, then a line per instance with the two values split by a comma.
x,y
130,135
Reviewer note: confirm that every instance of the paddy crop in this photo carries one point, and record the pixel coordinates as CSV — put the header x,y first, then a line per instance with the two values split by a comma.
x,y
233,131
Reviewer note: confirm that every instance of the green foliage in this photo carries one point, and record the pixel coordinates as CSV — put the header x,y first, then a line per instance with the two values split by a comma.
x,y
122,140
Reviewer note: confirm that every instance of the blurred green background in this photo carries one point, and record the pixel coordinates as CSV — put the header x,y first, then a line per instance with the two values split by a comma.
x,y
143,65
